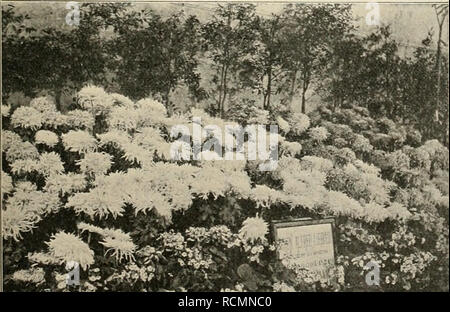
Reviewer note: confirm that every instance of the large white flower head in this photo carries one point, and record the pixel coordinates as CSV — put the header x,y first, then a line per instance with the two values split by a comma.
x,y
50,163
27,117
46,137
94,99
123,118
78,118
66,247
253,228
299,123
95,163
43,104
16,221
121,100
6,184
79,141
318,134
152,105
21,151
283,124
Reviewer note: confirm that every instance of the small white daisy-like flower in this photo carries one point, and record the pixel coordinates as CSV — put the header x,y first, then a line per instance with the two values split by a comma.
x,y
66,247
46,137
79,141
27,117
253,229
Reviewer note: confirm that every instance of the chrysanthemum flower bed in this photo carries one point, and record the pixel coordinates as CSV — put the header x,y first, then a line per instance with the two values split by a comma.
x,y
97,186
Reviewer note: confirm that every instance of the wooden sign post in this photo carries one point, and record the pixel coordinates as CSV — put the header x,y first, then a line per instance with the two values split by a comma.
x,y
307,243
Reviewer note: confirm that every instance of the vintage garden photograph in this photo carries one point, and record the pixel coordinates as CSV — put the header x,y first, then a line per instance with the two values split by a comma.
x,y
224,147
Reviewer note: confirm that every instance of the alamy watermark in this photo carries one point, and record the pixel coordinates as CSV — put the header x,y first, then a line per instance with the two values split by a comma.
x,y
211,142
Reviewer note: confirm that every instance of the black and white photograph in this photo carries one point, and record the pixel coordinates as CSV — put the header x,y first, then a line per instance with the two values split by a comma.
x,y
221,147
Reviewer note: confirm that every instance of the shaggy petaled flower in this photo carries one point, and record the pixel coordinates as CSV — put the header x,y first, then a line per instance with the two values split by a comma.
x,y
79,141
264,196
94,99
9,139
152,105
16,220
5,110
123,118
283,124
21,151
114,239
65,183
299,123
253,229
53,119
99,201
95,163
117,138
80,119
46,137
6,184
290,148
66,247
49,163
33,275
26,117
151,140
121,100
43,104
318,134
23,166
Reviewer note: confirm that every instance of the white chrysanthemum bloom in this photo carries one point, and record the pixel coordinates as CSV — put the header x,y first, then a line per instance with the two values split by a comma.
x,y
136,153
66,247
6,184
54,119
65,183
94,99
99,201
9,139
50,163
79,141
399,212
291,148
299,123
283,124
16,221
46,137
253,229
27,117
121,100
123,118
23,166
316,163
21,150
33,275
318,134
153,105
264,196
114,239
95,163
5,110
117,138
374,212
43,104
78,118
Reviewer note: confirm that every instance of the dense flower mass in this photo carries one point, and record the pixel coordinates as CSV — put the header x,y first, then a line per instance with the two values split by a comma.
x,y
140,217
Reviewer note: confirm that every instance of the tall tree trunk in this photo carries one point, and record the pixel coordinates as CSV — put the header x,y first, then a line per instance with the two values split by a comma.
x,y
304,99
58,94
292,91
269,87
225,87
221,89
